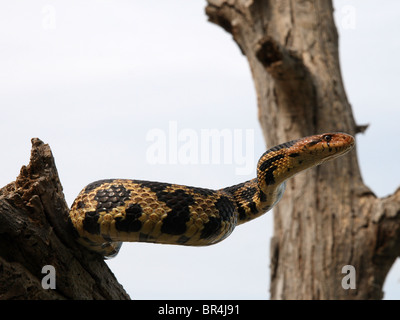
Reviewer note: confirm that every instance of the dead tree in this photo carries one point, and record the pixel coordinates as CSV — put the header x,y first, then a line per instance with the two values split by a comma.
x,y
328,218
34,233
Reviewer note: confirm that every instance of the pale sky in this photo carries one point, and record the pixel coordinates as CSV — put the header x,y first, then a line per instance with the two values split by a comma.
x,y
103,81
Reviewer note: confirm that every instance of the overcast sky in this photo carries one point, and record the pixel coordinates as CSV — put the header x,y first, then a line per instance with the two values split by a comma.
x,y
103,82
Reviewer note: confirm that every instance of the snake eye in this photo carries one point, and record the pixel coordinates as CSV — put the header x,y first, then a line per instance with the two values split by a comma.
x,y
327,137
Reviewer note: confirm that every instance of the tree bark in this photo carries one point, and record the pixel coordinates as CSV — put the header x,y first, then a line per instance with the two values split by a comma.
x,y
327,218
34,232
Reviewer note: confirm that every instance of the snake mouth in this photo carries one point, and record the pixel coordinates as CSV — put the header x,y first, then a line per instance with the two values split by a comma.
x,y
343,142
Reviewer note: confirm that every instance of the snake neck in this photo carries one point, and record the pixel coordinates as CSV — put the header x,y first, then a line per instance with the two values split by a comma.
x,y
255,197
251,201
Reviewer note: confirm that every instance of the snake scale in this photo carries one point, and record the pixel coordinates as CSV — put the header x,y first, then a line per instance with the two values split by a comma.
x,y
108,212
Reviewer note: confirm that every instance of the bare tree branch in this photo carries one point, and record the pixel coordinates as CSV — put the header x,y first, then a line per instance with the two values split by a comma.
x,y
34,232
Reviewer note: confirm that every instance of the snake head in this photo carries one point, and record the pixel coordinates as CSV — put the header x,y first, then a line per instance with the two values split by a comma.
x,y
320,148
285,160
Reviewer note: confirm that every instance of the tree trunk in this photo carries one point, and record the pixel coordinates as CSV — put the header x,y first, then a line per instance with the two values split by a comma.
x,y
34,233
327,218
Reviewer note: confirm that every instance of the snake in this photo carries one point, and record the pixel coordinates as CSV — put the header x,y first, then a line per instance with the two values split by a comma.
x,y
108,212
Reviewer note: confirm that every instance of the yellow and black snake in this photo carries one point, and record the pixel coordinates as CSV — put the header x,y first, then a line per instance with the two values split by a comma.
x,y
108,212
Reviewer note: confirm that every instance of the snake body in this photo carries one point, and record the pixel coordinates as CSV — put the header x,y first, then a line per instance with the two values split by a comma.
x,y
109,212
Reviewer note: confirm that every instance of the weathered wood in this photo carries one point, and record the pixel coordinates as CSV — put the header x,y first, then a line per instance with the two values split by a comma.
x,y
34,232
327,218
